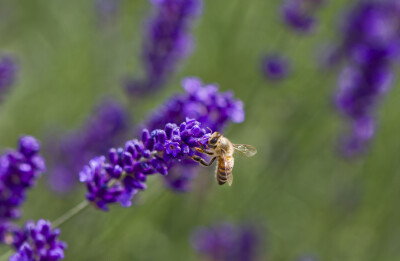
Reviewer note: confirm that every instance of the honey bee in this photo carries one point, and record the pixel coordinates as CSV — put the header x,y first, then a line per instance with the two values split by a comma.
x,y
221,148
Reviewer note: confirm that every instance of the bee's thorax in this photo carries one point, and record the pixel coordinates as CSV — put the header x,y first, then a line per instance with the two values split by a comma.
x,y
220,145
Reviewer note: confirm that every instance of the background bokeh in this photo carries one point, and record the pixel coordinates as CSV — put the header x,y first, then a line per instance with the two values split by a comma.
x,y
306,198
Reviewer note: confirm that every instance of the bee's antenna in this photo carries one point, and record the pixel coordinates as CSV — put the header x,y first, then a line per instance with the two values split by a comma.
x,y
210,129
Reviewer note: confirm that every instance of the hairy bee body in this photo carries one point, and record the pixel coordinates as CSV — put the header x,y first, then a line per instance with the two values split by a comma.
x,y
224,169
222,149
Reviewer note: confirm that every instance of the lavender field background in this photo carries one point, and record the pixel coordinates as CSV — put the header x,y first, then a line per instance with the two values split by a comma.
x,y
301,194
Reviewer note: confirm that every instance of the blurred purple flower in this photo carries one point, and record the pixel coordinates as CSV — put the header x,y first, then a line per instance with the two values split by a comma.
x,y
7,229
207,105
202,102
362,131
125,172
38,242
167,41
275,67
19,170
104,129
298,14
8,72
370,45
180,177
226,242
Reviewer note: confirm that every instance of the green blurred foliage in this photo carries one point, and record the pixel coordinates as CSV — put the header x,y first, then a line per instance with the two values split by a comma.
x,y
308,199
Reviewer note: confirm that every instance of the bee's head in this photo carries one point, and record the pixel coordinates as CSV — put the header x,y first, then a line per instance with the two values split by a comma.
x,y
213,140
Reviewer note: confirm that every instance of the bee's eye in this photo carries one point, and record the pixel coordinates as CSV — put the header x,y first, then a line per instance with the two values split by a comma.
x,y
214,140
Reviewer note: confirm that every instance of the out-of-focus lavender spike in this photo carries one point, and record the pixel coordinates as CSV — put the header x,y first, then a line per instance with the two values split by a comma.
x,y
120,175
204,102
19,170
370,46
37,241
8,73
226,242
275,67
299,14
180,177
167,41
106,127
7,230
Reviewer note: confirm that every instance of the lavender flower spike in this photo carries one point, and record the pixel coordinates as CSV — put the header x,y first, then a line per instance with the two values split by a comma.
x,y
8,71
370,47
167,41
106,127
226,242
37,242
203,102
124,172
19,171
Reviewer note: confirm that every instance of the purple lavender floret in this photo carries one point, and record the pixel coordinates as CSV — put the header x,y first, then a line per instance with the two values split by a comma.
x,y
298,14
38,242
167,41
8,72
120,175
275,67
19,170
370,47
226,242
203,102
104,129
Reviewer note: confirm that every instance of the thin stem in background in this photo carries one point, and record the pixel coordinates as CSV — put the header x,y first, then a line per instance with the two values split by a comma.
x,y
70,213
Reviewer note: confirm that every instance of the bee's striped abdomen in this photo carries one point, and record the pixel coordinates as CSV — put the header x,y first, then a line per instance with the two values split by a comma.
x,y
224,170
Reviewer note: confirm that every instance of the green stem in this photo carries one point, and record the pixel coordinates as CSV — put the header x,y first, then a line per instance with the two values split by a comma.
x,y
56,223
70,213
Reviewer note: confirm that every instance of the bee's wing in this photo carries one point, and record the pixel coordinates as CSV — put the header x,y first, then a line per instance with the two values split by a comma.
x,y
247,150
229,178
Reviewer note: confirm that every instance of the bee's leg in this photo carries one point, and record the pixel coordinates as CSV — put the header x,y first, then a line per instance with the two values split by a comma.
x,y
202,150
202,161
